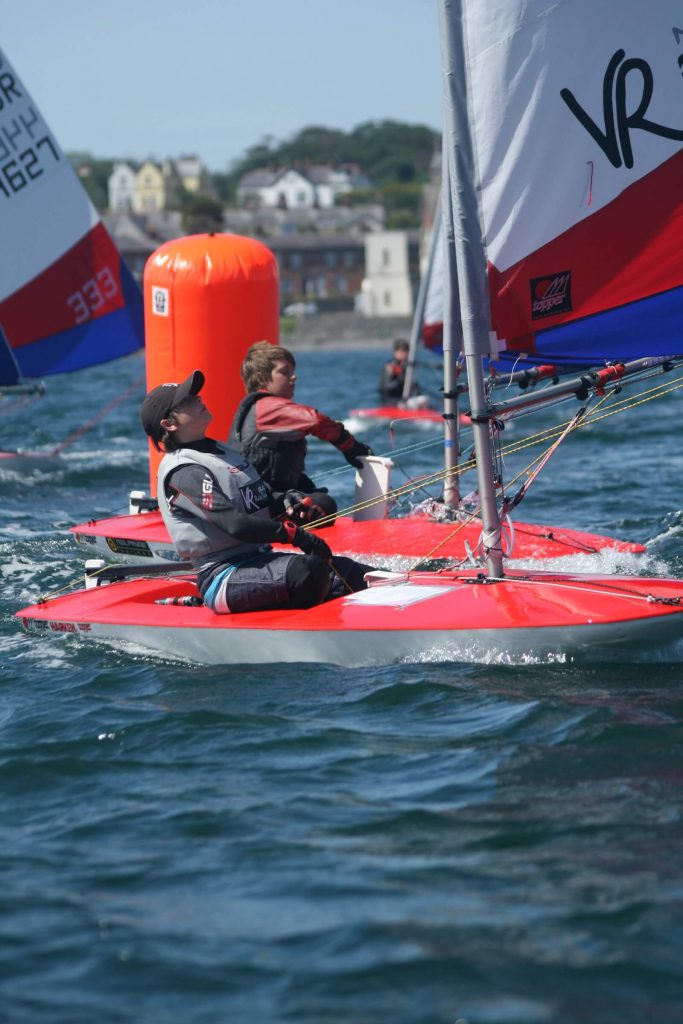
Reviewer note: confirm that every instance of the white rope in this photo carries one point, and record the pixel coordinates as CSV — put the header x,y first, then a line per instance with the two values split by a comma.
x,y
648,598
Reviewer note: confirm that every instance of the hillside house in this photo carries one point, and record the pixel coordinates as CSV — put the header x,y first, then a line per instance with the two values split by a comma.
x,y
153,187
121,187
292,189
193,175
150,189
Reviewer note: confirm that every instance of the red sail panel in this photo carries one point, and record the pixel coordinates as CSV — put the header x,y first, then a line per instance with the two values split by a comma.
x,y
82,285
626,251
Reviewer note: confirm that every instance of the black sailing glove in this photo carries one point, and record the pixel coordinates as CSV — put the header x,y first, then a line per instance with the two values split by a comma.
x,y
352,454
300,509
309,543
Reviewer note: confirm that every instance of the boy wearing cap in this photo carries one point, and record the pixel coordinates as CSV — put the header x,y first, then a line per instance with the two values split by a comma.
x,y
219,515
270,428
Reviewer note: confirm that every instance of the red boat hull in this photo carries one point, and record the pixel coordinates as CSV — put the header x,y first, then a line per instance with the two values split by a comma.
x,y
144,536
419,617
395,412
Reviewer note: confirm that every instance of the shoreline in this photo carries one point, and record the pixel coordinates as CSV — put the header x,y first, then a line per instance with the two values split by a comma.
x,y
342,330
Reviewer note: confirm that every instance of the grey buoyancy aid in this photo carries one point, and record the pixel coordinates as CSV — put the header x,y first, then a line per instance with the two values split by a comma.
x,y
193,533
279,461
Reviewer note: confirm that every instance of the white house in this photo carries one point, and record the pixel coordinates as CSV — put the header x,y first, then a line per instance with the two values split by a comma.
x,y
290,189
121,187
331,182
287,189
386,288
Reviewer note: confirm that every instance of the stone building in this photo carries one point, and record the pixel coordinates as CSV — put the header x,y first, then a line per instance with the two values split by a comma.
x,y
391,273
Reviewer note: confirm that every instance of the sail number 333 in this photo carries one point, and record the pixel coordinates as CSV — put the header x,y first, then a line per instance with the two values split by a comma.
x,y
93,295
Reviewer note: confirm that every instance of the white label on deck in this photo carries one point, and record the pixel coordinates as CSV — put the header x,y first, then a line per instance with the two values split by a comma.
x,y
396,595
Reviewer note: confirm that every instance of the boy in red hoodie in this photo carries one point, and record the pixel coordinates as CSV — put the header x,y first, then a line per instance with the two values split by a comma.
x,y
270,428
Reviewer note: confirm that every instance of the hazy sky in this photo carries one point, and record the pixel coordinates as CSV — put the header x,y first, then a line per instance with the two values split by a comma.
x,y
133,78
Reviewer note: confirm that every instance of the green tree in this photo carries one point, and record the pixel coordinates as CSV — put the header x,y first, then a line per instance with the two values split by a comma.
x,y
402,220
359,197
201,213
94,176
388,152
225,186
403,204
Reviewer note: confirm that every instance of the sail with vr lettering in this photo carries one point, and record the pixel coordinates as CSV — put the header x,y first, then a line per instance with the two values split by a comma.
x,y
580,174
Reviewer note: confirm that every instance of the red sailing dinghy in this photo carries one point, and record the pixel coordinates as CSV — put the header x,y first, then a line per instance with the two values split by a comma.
x,y
423,617
143,536
556,283
402,413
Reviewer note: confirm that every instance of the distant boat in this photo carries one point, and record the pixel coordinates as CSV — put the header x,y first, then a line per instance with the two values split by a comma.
x,y
67,299
413,406
403,413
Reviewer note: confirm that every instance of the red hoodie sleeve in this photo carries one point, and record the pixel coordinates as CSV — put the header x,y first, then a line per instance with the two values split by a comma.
x,y
292,421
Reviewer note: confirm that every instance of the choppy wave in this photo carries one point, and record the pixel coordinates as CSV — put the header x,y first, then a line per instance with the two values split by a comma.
x,y
421,843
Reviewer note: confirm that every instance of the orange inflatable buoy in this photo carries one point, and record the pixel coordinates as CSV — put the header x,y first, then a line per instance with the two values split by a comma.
x,y
207,299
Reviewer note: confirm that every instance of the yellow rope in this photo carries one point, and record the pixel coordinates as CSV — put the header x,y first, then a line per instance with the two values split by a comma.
x,y
62,590
96,572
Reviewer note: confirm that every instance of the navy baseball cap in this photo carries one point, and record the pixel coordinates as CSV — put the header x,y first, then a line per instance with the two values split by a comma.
x,y
159,403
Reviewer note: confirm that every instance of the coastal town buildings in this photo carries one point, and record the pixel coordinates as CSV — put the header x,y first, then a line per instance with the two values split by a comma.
x,y
333,272
151,187
331,256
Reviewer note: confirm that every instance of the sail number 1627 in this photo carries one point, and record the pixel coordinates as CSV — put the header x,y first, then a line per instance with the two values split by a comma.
x,y
16,176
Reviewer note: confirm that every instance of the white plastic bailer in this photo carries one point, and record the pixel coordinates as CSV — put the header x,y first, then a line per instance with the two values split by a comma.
x,y
372,486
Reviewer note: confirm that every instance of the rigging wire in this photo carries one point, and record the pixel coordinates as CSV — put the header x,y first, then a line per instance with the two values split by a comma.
x,y
546,435
617,589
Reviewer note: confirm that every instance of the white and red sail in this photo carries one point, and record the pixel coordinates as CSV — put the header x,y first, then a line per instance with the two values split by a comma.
x,y
577,125
67,299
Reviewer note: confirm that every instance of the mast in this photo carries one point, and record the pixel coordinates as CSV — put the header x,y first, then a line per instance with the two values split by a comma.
x,y
465,262
420,303
452,347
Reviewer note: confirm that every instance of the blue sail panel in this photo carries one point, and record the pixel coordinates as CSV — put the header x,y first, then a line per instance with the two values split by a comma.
x,y
652,325
99,340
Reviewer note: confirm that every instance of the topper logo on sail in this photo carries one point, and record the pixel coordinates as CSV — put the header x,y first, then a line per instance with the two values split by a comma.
x,y
551,295
615,139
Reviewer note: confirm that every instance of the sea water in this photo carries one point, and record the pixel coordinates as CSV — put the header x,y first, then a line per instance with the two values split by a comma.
x,y
419,844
